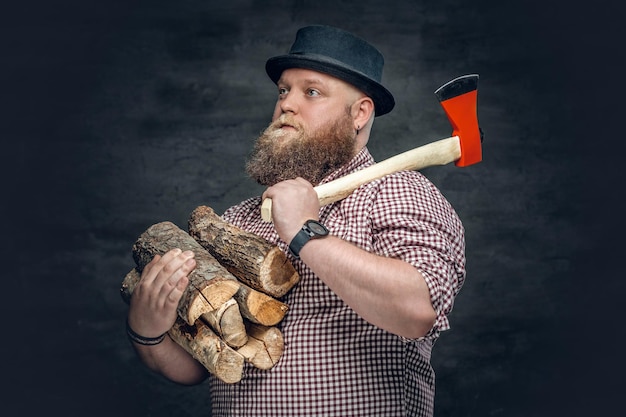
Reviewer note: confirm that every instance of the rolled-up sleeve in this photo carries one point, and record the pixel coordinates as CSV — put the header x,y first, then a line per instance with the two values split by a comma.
x,y
411,220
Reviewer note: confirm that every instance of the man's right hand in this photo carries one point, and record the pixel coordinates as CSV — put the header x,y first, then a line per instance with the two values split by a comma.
x,y
293,203
155,300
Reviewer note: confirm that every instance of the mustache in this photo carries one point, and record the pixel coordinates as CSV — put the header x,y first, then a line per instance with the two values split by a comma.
x,y
285,120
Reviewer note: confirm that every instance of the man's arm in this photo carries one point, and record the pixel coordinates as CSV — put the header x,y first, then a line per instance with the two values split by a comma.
x,y
153,312
173,362
388,293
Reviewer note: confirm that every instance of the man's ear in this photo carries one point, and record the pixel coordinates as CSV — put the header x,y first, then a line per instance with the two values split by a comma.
x,y
362,111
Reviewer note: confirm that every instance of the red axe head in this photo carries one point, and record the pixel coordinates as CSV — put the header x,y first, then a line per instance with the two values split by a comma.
x,y
458,98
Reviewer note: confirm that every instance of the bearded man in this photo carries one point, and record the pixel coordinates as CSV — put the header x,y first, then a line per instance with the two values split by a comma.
x,y
379,270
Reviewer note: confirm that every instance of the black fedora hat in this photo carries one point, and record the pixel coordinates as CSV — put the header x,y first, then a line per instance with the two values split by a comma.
x,y
340,54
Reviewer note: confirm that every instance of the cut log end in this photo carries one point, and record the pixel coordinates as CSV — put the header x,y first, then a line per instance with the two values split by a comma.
x,y
265,346
259,307
228,324
219,292
230,366
271,312
277,273
194,309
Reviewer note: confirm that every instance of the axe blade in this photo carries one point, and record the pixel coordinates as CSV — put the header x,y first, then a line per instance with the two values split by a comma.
x,y
458,98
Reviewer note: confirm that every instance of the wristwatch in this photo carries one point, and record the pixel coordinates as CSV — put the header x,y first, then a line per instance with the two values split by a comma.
x,y
312,229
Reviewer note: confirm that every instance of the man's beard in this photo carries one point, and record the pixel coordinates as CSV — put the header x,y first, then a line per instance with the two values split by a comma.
x,y
311,156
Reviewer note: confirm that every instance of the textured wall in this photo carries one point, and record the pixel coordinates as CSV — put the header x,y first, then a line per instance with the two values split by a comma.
x,y
122,114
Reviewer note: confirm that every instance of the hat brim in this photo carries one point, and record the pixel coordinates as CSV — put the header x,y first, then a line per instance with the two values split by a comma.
x,y
383,99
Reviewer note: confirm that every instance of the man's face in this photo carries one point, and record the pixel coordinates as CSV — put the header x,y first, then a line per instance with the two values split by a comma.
x,y
312,131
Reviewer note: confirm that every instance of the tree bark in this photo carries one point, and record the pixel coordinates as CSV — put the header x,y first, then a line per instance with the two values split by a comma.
x,y
129,283
210,284
252,259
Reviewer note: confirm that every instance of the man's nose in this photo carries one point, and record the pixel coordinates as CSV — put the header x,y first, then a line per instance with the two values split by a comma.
x,y
288,103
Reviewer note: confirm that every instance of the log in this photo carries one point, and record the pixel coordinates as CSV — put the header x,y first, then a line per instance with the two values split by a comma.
x,y
228,324
208,349
252,259
210,284
265,346
259,307
198,340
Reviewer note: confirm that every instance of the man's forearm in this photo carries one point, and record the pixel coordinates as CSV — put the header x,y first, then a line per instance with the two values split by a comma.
x,y
388,293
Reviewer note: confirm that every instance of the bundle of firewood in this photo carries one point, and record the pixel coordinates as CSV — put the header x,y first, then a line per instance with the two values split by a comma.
x,y
228,313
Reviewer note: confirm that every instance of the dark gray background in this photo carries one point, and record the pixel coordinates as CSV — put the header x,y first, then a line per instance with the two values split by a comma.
x,y
117,115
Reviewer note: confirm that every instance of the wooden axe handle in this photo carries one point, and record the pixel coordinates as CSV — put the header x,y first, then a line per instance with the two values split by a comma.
x,y
441,152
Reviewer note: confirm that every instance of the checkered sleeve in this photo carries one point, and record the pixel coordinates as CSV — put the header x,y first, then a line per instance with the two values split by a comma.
x,y
412,221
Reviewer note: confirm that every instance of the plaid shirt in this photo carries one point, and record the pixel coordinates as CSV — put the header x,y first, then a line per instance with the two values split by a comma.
x,y
334,362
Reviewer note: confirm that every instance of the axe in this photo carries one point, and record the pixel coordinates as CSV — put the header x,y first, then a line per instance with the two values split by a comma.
x,y
458,98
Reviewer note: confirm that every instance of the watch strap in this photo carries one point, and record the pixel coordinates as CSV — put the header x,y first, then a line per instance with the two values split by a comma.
x,y
306,233
298,242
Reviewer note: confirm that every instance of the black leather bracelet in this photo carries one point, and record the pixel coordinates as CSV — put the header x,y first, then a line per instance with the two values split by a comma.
x,y
142,340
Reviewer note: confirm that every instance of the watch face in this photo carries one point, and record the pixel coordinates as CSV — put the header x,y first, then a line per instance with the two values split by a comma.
x,y
317,228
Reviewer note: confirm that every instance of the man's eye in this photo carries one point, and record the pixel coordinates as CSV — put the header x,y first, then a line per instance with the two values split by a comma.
x,y
282,91
313,93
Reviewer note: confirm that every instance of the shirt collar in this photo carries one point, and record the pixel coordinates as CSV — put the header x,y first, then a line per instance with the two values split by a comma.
x,y
361,160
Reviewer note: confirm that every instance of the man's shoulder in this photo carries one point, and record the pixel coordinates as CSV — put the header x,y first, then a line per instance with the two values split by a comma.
x,y
403,181
405,190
